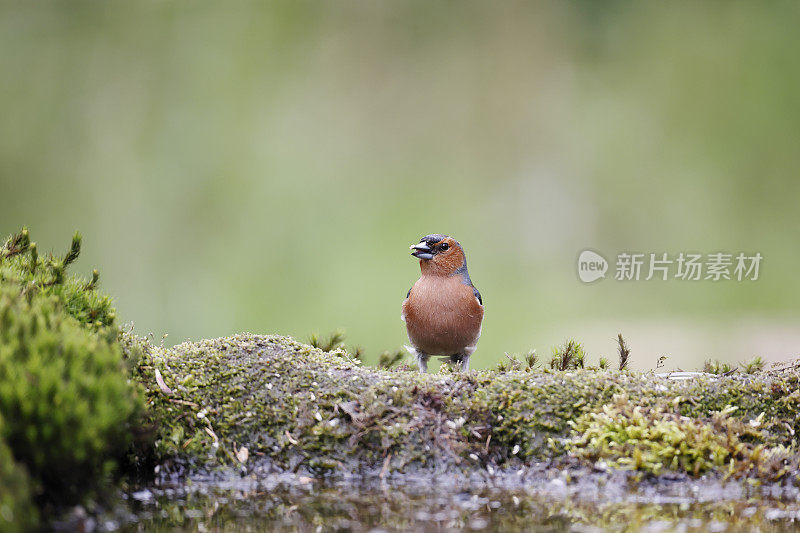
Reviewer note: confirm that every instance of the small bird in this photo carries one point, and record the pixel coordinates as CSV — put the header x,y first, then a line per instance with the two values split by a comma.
x,y
443,311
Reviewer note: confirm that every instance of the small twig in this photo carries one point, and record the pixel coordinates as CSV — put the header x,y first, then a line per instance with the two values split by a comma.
x,y
212,434
183,402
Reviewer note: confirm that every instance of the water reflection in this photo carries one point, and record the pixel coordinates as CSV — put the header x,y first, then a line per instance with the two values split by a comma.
x,y
305,504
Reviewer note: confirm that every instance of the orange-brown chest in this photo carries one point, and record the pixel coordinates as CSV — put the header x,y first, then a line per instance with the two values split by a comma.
x,y
442,315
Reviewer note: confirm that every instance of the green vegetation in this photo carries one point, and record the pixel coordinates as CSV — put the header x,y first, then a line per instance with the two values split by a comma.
x,y
714,366
658,437
332,342
66,398
25,272
756,364
17,512
513,363
624,352
389,359
570,356
64,394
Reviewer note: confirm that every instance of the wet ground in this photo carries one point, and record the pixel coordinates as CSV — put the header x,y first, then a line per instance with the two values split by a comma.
x,y
532,499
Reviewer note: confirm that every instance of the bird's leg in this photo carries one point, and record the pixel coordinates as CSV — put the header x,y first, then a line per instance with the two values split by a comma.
x,y
422,361
465,358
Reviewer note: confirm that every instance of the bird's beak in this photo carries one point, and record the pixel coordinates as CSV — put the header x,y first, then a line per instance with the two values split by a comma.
x,y
421,250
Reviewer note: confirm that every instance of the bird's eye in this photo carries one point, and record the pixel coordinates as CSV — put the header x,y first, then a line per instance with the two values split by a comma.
x,y
444,246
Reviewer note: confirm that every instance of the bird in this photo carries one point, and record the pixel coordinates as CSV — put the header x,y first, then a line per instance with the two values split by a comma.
x,y
443,310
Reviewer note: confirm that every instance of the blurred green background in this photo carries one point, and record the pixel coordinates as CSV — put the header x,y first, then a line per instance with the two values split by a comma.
x,y
265,166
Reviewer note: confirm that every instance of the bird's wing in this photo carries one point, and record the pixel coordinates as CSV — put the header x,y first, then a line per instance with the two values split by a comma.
x,y
403,308
477,294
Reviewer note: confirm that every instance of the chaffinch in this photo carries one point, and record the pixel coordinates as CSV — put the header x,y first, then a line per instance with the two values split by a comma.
x,y
443,311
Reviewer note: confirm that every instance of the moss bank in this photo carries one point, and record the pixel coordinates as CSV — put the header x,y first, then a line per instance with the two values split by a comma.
x,y
251,399
68,405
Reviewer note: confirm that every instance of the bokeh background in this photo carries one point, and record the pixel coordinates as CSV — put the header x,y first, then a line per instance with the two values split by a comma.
x,y
264,166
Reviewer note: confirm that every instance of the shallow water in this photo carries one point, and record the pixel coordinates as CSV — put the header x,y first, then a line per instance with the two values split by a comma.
x,y
588,503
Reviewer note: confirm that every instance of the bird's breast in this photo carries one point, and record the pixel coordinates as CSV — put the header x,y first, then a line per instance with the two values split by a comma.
x,y
442,315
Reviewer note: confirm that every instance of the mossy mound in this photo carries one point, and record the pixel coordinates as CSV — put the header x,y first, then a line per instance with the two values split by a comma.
x,y
68,403
235,400
64,394
297,405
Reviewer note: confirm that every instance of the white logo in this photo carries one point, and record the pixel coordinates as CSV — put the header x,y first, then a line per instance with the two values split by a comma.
x,y
591,266
684,266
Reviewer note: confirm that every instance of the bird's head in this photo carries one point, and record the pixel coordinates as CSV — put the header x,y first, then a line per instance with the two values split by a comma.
x,y
439,255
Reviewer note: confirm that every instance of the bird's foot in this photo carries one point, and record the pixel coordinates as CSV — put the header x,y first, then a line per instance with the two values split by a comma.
x,y
422,358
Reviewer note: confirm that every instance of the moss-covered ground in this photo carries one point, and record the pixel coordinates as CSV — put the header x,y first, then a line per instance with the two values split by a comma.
x,y
251,399
69,410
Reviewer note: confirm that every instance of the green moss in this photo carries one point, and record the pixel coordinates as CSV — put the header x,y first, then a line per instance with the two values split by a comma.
x,y
302,407
64,394
755,365
65,391
570,356
714,366
24,270
17,512
658,437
